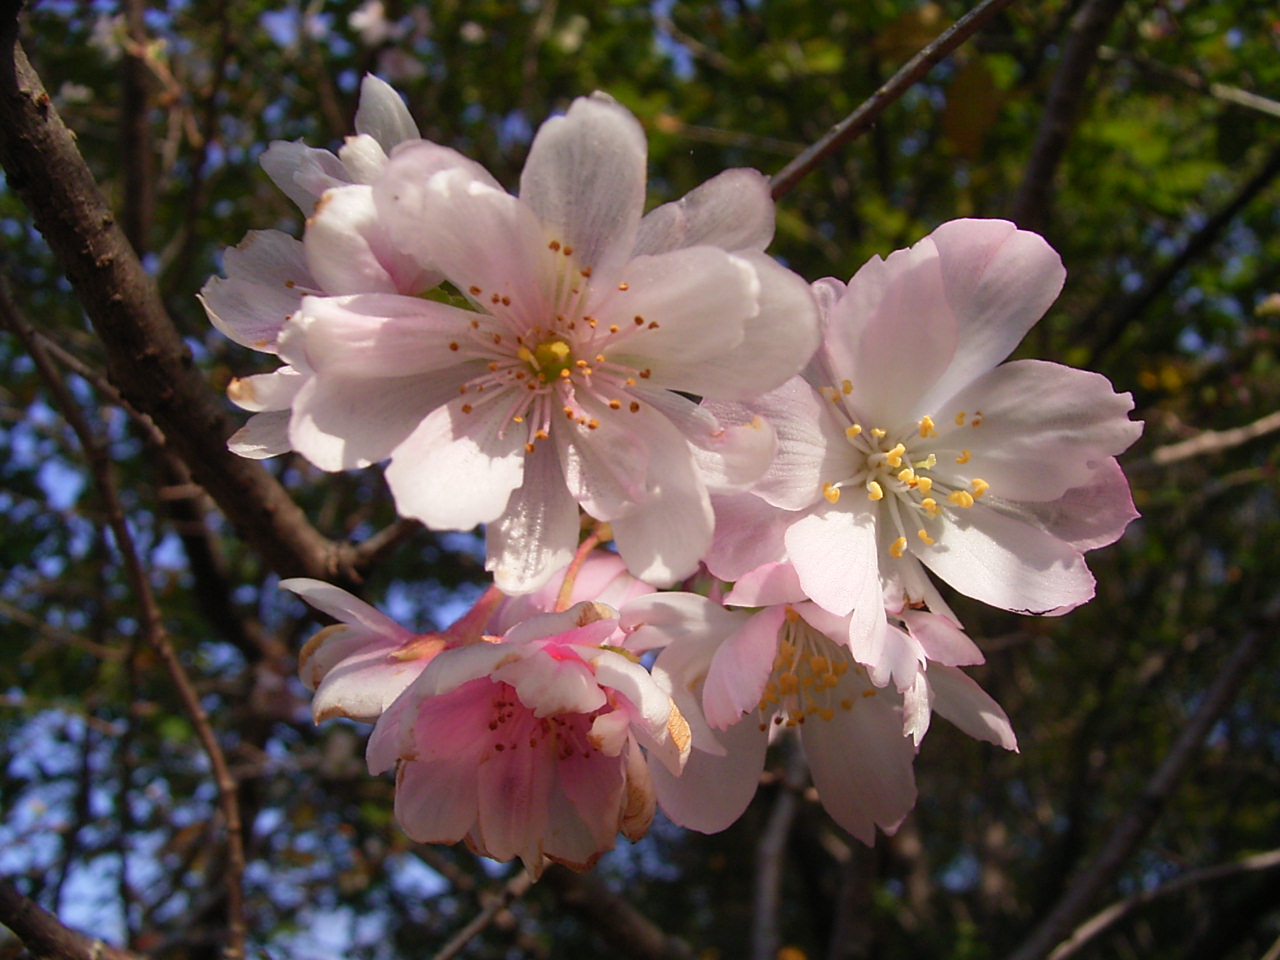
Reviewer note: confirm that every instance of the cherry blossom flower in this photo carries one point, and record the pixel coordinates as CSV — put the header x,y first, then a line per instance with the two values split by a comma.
x,y
906,443
345,250
358,666
531,747
555,387
739,675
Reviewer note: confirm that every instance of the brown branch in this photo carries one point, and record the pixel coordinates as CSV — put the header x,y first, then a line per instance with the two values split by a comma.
x,y
771,852
1103,920
1141,815
626,931
146,357
44,935
1034,200
1214,441
138,211
862,119
150,617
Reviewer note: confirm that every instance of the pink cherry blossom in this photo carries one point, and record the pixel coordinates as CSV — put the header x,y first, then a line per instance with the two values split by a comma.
x,y
531,747
907,443
345,250
554,388
358,667
738,676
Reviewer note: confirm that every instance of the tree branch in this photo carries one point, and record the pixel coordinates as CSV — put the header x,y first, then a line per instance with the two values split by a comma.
x,y
862,119
1141,816
146,357
45,936
1101,921
1033,202
1214,441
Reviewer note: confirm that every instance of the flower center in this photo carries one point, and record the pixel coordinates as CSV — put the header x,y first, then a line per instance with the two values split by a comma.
x,y
910,473
549,359
807,676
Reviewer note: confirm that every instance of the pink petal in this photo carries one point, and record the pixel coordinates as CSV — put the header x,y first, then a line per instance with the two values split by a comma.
x,y
713,791
740,669
730,457
264,435
943,641
585,181
1092,515
266,391
341,605
593,785
349,251
514,792
768,584
999,281
548,686
267,276
748,533
437,802
303,172
733,211
835,553
861,762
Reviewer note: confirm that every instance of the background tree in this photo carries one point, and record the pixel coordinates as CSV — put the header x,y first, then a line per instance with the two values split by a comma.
x,y
163,787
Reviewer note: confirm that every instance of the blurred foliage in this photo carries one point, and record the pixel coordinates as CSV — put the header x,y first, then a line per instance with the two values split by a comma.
x,y
106,804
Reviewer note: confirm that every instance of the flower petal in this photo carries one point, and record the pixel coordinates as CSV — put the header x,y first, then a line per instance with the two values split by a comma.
x,y
959,699
713,791
1007,563
457,470
537,533
730,457
1092,515
1042,431
585,181
349,251
740,669
834,551
999,281
733,211
267,276
264,435
303,172
748,533
382,114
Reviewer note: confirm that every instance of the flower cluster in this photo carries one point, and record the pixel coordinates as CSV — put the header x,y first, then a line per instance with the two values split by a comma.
x,y
805,454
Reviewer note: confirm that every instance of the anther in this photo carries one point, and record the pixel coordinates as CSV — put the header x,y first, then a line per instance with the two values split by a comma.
x,y
961,498
923,534
453,347
475,291
624,286
924,484
853,431
964,457
896,548
831,492
926,427
846,387
639,320
977,419
960,418
980,487
635,407
894,457
615,404
874,491
908,476
930,506
878,433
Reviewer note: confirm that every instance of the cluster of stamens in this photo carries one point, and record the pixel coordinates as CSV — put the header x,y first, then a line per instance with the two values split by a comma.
x,y
889,470
806,672
521,729
540,369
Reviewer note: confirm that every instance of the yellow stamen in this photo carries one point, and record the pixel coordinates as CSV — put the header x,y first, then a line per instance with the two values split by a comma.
x,y
924,484
980,487
874,492
894,457
926,427
878,433
961,498
960,418
831,492
846,387
853,431
907,475
923,534
964,457
930,506
896,548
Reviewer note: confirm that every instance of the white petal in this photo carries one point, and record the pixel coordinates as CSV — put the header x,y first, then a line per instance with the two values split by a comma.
x,y
740,669
607,468
943,641
264,435
959,699
343,606
585,181
748,533
457,470
303,172
267,276
776,344
377,335
538,532
733,210
1092,515
999,281
341,423
363,686
1043,430
1008,563
383,115
834,551
730,457
683,308
266,391
766,585
349,251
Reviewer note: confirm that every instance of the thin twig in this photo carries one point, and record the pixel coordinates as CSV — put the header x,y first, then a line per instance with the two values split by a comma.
x,y
1215,441
1101,921
1141,816
623,928
1194,81
771,856
151,619
866,115
512,890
